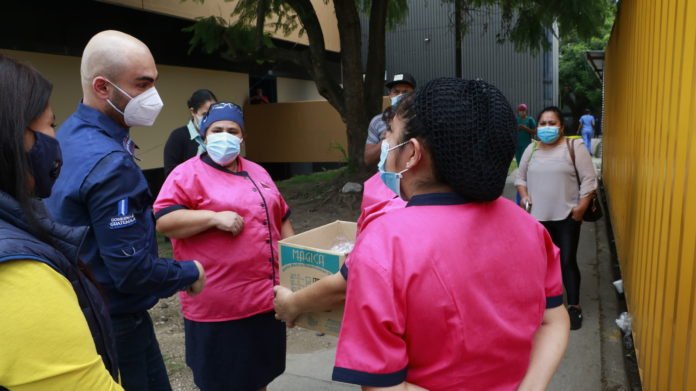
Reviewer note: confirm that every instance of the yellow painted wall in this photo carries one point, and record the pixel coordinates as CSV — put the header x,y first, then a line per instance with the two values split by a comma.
x,y
190,9
297,132
649,172
296,90
175,86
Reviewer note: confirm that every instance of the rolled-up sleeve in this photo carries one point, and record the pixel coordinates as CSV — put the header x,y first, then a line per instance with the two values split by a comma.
x,y
118,202
175,193
586,171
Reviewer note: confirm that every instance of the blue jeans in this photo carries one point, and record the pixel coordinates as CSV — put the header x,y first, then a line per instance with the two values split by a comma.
x,y
587,138
139,358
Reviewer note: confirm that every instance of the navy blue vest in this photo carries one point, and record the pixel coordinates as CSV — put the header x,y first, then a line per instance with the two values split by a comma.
x,y
17,243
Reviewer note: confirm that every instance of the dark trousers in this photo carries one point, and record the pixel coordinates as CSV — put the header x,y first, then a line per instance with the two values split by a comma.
x,y
566,235
139,358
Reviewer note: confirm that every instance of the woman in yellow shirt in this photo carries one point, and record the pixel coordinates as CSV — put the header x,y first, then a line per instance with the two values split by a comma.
x,y
54,332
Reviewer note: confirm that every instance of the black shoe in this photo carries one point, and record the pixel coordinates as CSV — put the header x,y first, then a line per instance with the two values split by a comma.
x,y
575,315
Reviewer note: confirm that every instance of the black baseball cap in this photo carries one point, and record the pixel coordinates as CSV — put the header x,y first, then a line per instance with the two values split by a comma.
x,y
399,78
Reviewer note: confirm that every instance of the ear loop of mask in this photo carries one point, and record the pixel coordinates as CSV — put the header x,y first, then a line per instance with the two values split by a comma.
x,y
121,91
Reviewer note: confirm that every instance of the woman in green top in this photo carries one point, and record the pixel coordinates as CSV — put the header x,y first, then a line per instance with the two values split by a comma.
x,y
526,128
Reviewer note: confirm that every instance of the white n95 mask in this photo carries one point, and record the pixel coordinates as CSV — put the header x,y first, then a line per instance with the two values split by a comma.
x,y
141,110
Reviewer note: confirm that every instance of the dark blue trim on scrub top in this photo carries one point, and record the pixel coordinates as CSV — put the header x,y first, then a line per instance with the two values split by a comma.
x,y
437,199
346,375
554,301
344,271
168,209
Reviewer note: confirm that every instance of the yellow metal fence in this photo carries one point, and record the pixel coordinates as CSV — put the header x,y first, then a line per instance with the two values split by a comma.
x,y
649,172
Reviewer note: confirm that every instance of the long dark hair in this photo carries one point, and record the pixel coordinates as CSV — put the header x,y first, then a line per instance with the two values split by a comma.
x,y
24,96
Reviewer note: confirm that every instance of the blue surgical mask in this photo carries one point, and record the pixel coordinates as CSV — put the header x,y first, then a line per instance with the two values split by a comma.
x,y
395,100
390,179
223,147
548,134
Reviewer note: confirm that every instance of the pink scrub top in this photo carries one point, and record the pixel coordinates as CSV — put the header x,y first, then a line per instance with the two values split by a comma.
x,y
240,270
447,295
377,200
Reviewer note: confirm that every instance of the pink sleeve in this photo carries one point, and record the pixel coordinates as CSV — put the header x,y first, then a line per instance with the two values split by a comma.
x,y
371,347
175,193
553,285
284,207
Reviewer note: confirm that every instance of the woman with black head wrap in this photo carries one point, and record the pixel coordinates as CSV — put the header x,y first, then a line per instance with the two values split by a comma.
x,y
461,289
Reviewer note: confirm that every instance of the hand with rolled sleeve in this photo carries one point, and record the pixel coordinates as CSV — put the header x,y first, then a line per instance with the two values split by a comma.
x,y
283,303
326,294
197,287
229,221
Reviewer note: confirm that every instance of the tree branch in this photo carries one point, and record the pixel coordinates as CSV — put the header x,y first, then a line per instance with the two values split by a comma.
x,y
376,58
261,11
318,64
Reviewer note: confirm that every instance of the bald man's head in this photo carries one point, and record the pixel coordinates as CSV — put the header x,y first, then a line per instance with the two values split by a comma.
x,y
115,68
109,54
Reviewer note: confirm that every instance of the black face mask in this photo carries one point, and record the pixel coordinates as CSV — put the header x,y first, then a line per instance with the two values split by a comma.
x,y
45,161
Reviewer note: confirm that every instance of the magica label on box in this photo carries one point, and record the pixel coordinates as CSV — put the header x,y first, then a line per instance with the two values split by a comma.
x,y
292,257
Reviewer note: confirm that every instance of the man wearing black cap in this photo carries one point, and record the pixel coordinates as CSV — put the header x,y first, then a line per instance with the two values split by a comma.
x,y
402,83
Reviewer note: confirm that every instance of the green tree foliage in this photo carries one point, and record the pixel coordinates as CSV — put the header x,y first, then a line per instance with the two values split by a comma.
x,y
356,95
580,87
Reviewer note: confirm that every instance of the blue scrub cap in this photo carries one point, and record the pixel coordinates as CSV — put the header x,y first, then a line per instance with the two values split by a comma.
x,y
222,111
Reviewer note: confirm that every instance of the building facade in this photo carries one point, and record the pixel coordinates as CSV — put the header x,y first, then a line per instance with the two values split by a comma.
x,y
51,37
424,45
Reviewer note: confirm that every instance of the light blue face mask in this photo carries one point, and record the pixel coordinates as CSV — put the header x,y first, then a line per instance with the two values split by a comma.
x,y
396,99
390,179
223,147
548,134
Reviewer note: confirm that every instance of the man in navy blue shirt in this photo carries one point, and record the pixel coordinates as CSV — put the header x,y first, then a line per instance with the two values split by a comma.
x,y
103,188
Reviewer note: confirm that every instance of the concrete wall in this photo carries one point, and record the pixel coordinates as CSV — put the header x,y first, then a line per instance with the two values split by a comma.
x,y
175,86
298,132
295,90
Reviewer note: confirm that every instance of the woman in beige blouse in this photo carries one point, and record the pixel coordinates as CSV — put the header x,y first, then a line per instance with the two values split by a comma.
x,y
547,181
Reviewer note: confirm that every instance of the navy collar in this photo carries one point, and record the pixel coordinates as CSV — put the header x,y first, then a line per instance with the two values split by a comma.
x,y
437,199
207,160
97,118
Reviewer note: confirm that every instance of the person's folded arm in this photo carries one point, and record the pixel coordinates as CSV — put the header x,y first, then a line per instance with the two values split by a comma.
x,y
184,223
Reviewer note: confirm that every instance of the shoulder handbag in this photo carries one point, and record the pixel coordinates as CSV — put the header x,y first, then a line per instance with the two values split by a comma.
x,y
594,210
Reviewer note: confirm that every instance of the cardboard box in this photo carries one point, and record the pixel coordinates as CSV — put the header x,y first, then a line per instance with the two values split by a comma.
x,y
307,257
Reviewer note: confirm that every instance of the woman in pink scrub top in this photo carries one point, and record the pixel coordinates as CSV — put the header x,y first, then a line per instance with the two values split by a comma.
x,y
461,289
226,212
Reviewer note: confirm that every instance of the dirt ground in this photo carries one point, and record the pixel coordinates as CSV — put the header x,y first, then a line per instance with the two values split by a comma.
x,y
314,201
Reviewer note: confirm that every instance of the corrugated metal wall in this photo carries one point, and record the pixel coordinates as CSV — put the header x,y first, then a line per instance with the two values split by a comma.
x,y
522,77
650,177
424,46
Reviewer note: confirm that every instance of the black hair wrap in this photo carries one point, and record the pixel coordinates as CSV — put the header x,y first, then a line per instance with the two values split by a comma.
x,y
471,131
